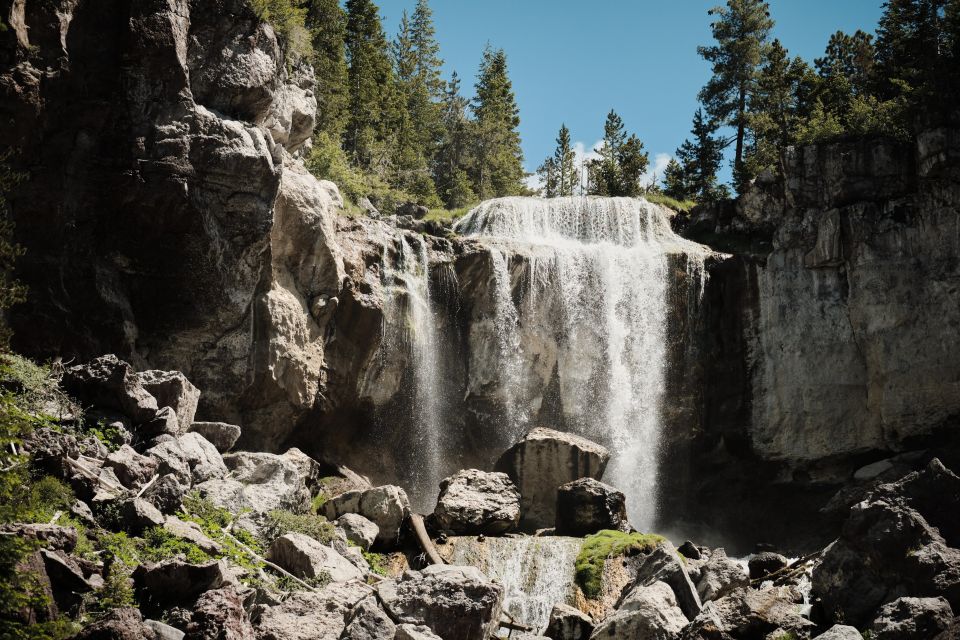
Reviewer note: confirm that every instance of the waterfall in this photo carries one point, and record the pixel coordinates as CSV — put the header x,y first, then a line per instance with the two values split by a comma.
x,y
536,573
595,307
410,327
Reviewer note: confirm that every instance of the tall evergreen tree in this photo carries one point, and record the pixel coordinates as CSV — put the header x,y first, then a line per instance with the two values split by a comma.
x,y
698,162
498,169
453,152
910,40
621,164
741,30
548,175
564,159
327,24
374,109
426,50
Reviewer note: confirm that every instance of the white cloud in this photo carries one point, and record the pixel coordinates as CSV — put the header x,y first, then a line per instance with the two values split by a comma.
x,y
655,171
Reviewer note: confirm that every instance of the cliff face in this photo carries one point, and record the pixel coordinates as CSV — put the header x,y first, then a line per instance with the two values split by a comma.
x,y
841,312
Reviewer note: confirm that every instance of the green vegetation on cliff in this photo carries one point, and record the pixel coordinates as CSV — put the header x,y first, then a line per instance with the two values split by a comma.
x,y
599,547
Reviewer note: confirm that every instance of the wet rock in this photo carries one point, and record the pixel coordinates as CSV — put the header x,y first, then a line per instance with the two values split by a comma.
x,y
220,434
163,631
320,615
219,615
840,632
649,612
191,458
132,469
911,619
456,603
568,623
586,506
172,389
174,582
386,506
689,551
110,383
664,565
166,494
304,557
369,622
543,461
900,540
415,632
765,563
748,613
474,502
357,529
119,624
719,576
139,515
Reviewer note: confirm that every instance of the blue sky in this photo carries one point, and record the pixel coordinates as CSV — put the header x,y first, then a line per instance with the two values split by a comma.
x,y
572,61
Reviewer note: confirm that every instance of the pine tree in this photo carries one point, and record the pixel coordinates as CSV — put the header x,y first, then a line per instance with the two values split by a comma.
x,y
741,30
621,164
375,111
699,160
564,159
426,50
327,24
910,40
675,181
498,169
453,152
549,176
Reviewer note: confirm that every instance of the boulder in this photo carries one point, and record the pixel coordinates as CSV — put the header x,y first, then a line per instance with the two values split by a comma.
x,y
586,506
719,576
369,622
765,563
138,515
664,565
51,536
166,494
174,582
191,532
219,615
649,613
749,613
568,623
172,389
164,426
412,209
840,632
304,557
543,461
911,619
456,603
163,631
110,383
689,551
220,434
131,468
357,529
190,458
269,480
900,540
66,580
309,469
118,624
386,506
307,615
473,502
415,632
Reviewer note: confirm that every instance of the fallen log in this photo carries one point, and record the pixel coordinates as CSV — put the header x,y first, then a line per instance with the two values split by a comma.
x,y
420,529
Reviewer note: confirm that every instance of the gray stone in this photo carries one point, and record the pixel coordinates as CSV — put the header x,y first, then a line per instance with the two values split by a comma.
x,y
357,529
309,469
719,576
765,563
912,619
568,623
219,615
125,623
191,532
386,506
586,506
415,632
138,515
649,613
166,494
191,458
172,389
369,622
456,603
475,502
840,632
309,615
543,461
260,482
163,425
110,383
748,613
304,557
131,468
220,434
664,565
175,582
163,631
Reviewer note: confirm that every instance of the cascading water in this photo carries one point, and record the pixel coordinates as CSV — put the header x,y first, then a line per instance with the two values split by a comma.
x,y
595,303
536,573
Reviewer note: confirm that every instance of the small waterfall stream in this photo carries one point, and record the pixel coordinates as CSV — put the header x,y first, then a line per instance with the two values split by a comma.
x,y
536,573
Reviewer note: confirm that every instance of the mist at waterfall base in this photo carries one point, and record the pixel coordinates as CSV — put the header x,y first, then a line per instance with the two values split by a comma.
x,y
573,336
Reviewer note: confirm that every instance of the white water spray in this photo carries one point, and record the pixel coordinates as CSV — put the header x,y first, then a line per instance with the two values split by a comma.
x,y
596,306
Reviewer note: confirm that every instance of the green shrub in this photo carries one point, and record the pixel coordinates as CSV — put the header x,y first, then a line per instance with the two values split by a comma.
x,y
605,544
378,562
288,18
283,522
680,206
159,544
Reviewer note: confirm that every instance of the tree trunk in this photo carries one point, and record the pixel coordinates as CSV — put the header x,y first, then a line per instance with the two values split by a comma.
x,y
741,132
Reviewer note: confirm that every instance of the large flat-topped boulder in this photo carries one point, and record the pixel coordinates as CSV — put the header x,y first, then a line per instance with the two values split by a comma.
x,y
543,461
473,502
